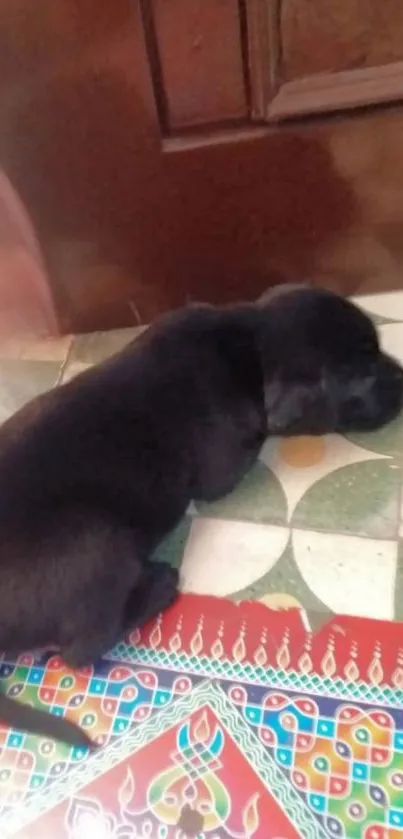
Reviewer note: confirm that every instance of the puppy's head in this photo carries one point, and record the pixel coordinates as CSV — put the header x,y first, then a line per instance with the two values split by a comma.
x,y
323,367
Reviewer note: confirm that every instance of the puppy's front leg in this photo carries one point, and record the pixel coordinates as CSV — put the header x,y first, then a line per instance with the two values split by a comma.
x,y
156,591
223,466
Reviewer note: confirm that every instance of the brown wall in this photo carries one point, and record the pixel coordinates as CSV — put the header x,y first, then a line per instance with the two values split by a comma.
x,y
143,140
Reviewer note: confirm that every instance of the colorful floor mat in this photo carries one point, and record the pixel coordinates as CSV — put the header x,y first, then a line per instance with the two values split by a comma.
x,y
216,721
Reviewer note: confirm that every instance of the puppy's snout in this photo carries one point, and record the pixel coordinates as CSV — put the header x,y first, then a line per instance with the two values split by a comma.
x,y
389,384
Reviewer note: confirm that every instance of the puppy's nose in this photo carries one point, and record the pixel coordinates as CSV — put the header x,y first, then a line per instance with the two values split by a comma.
x,y
393,379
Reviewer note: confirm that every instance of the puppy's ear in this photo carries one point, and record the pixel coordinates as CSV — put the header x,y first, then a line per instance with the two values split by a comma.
x,y
273,293
198,304
298,403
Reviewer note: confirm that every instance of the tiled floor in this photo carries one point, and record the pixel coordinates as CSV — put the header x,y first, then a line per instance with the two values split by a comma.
x,y
317,523
308,716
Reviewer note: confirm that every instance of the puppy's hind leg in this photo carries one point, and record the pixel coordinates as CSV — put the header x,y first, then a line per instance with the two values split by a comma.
x,y
156,590
101,565
88,644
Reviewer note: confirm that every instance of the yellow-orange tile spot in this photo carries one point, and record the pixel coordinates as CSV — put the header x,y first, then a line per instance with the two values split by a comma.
x,y
301,452
280,600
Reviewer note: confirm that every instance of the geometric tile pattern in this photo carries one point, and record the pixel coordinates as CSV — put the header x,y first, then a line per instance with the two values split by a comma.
x,y
294,736
346,760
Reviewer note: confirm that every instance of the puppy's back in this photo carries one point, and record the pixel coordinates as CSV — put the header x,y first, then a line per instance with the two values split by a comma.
x,y
123,431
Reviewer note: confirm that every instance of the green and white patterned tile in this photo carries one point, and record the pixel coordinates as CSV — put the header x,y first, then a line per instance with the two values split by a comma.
x,y
259,497
349,574
328,573
362,498
334,484
21,381
171,550
387,440
283,587
222,557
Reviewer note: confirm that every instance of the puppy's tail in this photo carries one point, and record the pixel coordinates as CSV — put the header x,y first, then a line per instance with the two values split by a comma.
x,y
35,721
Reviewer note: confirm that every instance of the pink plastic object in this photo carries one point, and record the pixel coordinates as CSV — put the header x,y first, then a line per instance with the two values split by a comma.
x,y
26,304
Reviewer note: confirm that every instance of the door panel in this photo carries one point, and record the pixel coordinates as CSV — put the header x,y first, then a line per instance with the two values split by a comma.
x,y
336,35
331,56
36,38
149,143
195,53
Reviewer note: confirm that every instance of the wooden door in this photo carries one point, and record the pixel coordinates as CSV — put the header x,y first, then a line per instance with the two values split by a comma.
x,y
170,150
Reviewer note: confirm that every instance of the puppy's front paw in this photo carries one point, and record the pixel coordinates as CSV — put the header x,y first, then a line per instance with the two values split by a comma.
x,y
170,575
166,584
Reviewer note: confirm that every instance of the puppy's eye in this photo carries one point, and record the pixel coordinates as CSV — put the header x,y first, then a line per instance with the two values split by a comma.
x,y
353,405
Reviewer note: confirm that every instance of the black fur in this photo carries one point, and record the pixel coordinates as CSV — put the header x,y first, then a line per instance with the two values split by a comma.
x,y
94,474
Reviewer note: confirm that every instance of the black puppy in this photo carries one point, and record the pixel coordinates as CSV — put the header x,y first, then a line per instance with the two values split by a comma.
x,y
94,474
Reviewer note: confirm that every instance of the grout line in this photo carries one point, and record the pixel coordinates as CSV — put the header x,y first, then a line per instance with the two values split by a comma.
x,y
304,527
395,292
399,506
64,363
134,310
